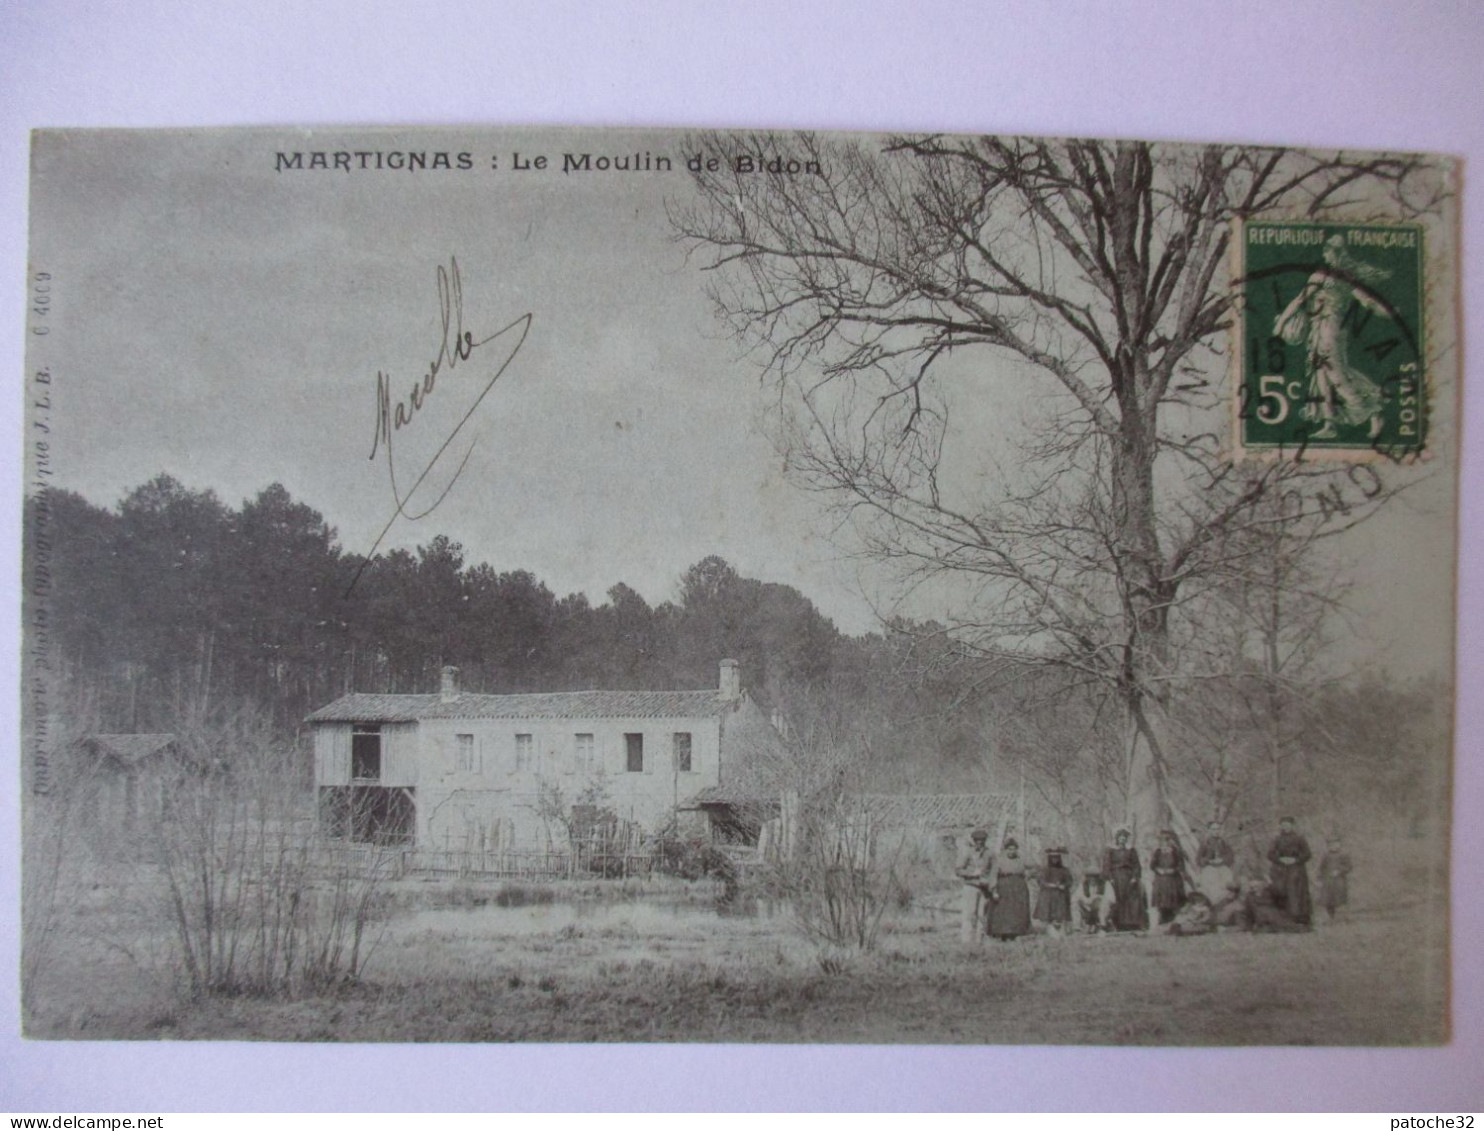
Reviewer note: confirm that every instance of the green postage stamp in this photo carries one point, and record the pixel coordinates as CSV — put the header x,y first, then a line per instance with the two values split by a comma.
x,y
1331,343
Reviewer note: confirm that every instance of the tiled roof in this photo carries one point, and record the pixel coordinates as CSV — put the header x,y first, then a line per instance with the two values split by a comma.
x,y
129,748
361,708
731,795
919,810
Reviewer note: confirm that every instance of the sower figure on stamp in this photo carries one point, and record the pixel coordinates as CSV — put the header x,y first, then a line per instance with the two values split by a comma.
x,y
1289,876
1121,866
1214,861
1334,878
1167,863
1054,900
1319,317
973,869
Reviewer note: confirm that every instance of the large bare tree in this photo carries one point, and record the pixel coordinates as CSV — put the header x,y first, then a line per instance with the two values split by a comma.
x,y
1083,290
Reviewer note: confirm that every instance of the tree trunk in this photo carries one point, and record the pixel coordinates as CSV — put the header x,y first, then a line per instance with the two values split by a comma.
x,y
1147,808
1272,627
1146,598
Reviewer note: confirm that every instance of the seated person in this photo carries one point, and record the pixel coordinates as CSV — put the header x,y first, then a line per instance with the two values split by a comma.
x,y
1196,917
1266,914
1231,911
1095,902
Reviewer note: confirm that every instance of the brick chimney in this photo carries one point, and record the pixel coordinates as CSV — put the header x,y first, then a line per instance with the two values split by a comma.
x,y
730,687
448,690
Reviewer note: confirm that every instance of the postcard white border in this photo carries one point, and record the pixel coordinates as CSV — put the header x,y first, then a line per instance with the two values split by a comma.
x,y
1321,74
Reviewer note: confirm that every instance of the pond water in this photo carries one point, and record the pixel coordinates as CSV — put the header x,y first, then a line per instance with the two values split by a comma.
x,y
642,916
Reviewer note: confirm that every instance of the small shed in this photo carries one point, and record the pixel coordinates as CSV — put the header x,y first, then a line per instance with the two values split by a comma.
x,y
736,814
127,776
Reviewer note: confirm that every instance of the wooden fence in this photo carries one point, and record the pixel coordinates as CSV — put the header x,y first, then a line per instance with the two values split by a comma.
x,y
584,863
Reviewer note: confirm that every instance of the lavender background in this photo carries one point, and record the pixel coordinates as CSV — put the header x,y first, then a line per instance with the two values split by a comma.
x,y
1325,74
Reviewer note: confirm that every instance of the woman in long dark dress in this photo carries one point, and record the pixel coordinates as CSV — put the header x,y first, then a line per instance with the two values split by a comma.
x,y
1121,866
1054,901
1011,915
1167,863
1289,877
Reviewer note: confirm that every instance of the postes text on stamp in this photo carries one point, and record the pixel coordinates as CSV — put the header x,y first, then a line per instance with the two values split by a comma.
x,y
1331,339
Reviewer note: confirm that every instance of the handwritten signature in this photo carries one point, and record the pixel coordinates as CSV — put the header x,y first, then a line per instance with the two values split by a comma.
x,y
456,346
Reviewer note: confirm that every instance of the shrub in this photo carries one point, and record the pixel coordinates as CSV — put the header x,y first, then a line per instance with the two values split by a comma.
x,y
838,885
254,906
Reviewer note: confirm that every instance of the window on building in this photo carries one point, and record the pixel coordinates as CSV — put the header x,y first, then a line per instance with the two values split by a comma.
x,y
682,752
583,757
634,750
466,754
365,753
525,751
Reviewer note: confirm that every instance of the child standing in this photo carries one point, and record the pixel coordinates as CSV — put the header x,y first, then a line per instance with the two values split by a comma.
x,y
1334,877
1054,902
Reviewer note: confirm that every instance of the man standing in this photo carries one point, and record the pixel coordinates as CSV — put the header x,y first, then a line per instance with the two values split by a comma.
x,y
1289,876
972,869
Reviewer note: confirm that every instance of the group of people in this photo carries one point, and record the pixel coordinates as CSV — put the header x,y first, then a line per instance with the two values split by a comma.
x,y
1186,897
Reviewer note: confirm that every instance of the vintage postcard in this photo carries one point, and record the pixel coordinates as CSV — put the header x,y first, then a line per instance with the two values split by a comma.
x,y
593,585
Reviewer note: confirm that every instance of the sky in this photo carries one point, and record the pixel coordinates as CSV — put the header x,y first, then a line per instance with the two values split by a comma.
x,y
227,322
230,319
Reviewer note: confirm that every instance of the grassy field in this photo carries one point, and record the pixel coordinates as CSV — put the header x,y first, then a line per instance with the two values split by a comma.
x,y
657,963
